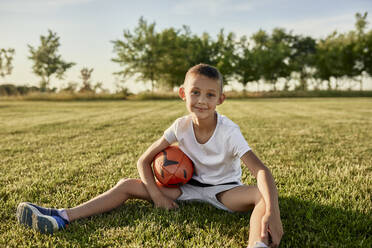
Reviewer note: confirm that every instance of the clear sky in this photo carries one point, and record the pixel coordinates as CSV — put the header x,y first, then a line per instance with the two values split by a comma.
x,y
86,27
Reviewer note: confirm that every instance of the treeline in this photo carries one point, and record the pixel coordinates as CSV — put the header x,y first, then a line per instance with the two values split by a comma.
x,y
14,90
163,57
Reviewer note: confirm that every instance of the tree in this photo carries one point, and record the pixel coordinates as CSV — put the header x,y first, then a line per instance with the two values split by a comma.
x,y
172,64
336,57
272,54
6,59
258,53
361,23
245,65
200,50
224,48
362,47
367,53
328,59
86,74
344,55
138,53
301,59
164,57
46,60
180,50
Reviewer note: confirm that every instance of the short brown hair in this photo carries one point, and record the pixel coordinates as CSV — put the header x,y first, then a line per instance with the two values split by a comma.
x,y
206,70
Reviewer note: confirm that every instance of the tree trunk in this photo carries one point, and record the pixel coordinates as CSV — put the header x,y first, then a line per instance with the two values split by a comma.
x,y
361,84
329,84
303,84
286,85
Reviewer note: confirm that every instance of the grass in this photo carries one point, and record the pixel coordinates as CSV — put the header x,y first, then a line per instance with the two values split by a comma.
x,y
60,154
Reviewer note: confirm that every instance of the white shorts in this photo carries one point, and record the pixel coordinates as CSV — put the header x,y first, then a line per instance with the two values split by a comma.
x,y
205,194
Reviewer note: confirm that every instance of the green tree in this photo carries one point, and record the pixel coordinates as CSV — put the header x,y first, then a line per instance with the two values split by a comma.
x,y
344,55
224,48
367,53
362,48
138,53
47,61
164,57
336,58
281,43
303,50
361,23
6,59
201,50
246,67
259,52
180,50
172,64
329,59
272,55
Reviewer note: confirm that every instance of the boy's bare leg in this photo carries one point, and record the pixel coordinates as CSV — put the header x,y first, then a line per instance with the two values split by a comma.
x,y
125,189
244,198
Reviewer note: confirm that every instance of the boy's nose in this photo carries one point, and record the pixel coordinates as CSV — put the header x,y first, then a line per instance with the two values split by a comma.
x,y
202,99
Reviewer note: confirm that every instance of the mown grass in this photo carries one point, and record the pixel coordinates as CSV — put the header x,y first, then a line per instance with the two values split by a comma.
x,y
60,154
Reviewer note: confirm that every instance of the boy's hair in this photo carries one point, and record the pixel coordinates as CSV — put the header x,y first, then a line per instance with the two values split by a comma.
x,y
206,70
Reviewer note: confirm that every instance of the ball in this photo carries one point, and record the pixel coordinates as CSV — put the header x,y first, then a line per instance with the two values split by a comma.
x,y
172,168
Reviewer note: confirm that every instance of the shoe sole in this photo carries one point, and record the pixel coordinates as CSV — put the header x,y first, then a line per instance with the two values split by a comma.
x,y
29,216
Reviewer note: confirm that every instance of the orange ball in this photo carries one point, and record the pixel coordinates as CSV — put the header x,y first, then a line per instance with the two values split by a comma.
x,y
172,168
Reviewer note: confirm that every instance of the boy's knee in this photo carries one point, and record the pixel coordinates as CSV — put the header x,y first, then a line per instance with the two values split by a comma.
x,y
126,183
132,188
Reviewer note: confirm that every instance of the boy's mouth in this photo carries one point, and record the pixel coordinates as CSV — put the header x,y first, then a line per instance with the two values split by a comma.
x,y
200,109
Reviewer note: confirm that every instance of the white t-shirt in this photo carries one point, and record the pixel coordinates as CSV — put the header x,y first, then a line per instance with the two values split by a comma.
x,y
218,160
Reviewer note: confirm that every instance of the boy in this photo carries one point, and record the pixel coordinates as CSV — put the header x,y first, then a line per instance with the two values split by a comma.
x,y
215,145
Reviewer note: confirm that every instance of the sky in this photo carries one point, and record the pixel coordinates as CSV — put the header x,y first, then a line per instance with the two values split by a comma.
x,y
87,27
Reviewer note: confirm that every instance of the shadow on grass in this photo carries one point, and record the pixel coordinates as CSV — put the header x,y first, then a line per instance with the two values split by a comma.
x,y
306,224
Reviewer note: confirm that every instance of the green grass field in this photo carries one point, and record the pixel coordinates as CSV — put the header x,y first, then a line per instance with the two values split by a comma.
x,y
60,154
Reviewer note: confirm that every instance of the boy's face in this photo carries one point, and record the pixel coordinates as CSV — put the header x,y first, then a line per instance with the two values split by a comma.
x,y
202,95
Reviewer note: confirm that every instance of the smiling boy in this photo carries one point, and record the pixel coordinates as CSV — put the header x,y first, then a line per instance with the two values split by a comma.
x,y
215,145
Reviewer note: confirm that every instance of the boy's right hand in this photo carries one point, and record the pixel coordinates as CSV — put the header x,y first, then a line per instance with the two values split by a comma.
x,y
164,202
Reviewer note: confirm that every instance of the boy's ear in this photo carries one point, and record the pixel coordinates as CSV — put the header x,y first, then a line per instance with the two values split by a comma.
x,y
221,99
181,93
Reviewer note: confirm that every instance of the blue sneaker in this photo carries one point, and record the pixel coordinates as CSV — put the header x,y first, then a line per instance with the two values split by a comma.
x,y
39,218
46,211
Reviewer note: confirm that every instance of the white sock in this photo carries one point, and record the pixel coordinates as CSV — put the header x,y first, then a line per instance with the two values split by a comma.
x,y
63,214
259,244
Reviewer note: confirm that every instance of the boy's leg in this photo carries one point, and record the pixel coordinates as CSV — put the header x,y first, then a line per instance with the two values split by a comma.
x,y
47,220
244,198
125,189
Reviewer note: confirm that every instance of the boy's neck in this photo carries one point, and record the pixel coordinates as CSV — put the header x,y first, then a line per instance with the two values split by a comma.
x,y
206,124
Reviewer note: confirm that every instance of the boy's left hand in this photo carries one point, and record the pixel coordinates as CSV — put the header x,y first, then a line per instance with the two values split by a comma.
x,y
271,224
165,202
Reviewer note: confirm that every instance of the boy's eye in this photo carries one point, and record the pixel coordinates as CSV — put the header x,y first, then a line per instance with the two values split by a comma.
x,y
211,95
194,92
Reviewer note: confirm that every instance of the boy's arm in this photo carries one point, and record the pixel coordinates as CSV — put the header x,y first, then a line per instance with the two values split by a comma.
x,y
147,176
265,182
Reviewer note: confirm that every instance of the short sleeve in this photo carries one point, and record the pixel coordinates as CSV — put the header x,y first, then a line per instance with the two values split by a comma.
x,y
170,133
239,144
